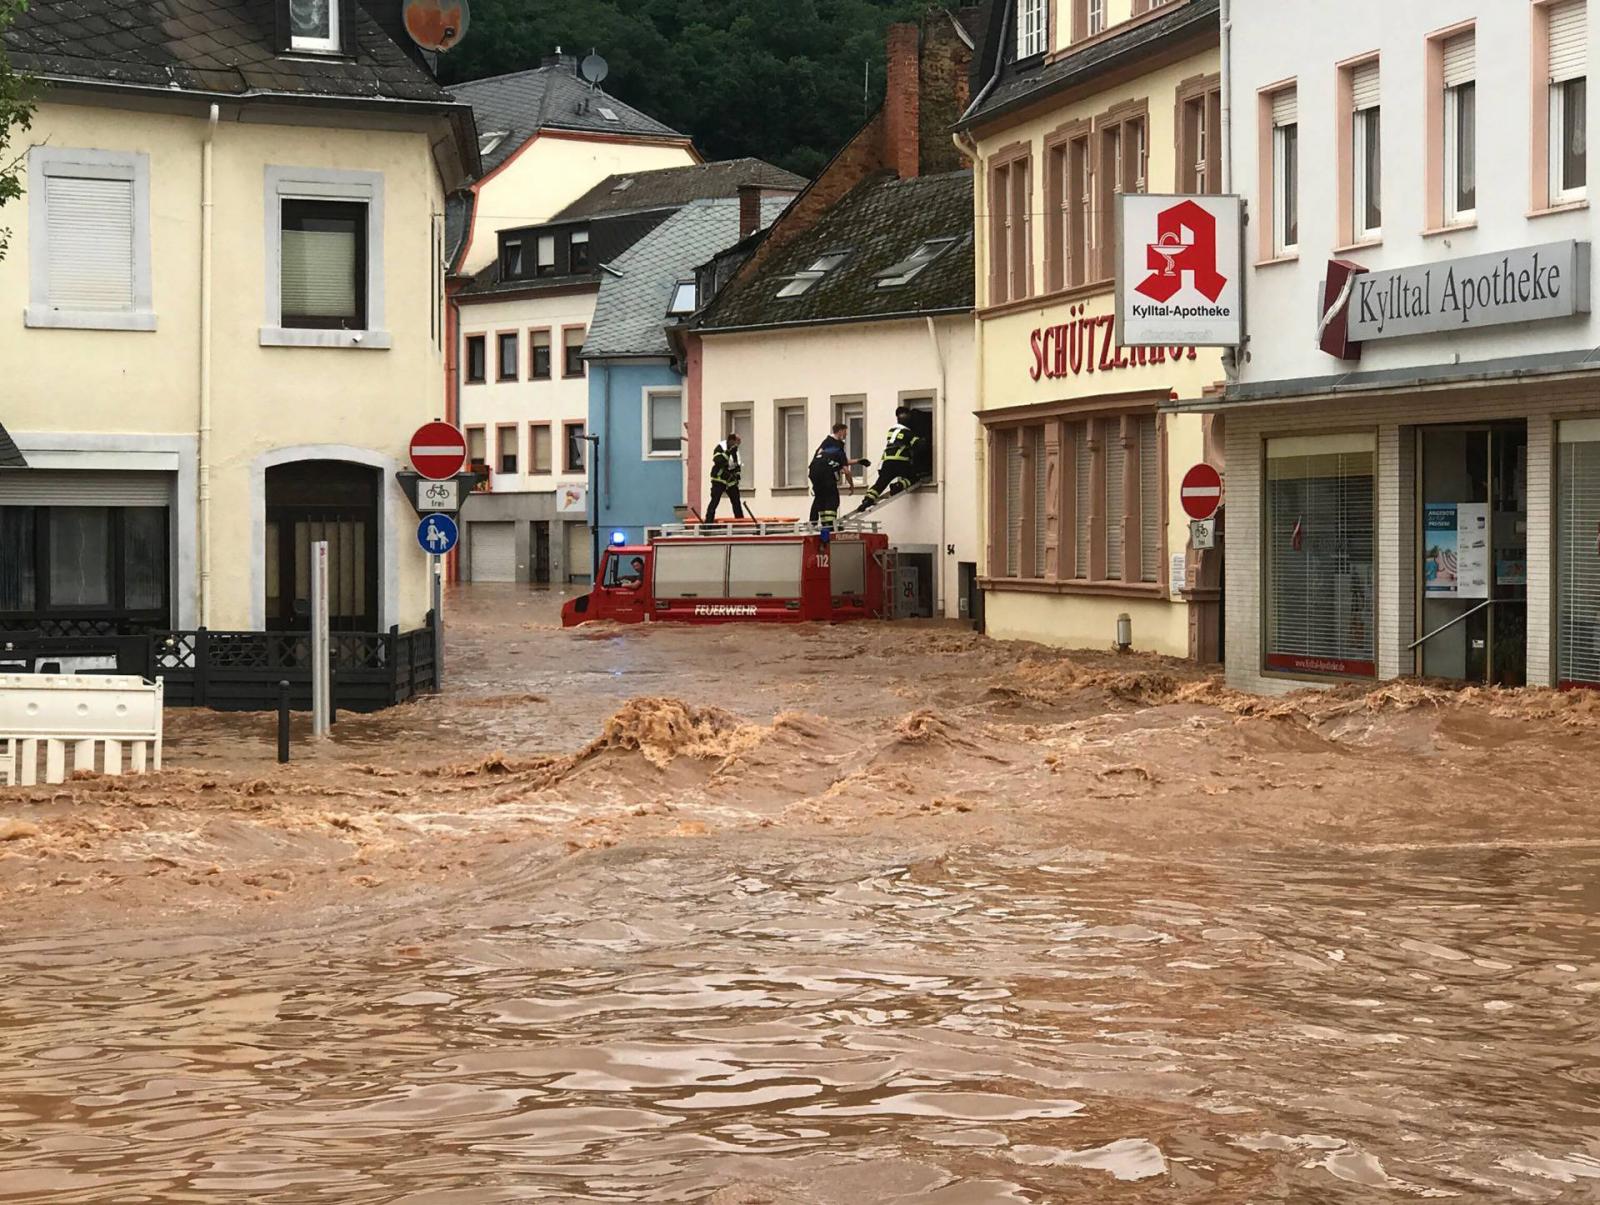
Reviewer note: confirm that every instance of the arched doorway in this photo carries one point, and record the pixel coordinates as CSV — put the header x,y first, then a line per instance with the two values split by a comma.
x,y
332,500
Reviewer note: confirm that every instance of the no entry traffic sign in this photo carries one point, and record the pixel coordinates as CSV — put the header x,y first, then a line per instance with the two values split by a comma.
x,y
438,451
1201,491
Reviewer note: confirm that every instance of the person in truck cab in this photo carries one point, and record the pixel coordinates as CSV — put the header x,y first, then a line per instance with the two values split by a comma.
x,y
634,578
830,461
897,472
725,469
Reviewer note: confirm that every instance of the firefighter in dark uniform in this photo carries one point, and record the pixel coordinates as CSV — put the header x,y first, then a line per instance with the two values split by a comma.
x,y
898,471
725,469
830,460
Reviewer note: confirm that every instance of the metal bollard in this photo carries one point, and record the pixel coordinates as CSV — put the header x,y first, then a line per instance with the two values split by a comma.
x,y
283,723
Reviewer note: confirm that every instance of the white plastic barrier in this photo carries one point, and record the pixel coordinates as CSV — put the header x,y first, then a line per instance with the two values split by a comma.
x,y
95,715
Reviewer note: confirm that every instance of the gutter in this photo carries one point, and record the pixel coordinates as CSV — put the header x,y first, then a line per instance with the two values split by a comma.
x,y
994,77
801,323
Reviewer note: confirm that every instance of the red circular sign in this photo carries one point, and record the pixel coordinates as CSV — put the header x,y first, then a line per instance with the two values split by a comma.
x,y
1201,491
438,451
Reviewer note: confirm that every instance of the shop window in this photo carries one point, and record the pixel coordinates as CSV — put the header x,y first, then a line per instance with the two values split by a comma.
x,y
1577,557
1108,496
1318,547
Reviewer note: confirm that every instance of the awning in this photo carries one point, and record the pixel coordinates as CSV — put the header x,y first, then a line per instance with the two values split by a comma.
x,y
10,458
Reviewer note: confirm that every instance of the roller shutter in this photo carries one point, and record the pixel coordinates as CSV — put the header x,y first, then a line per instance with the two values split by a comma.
x,y
49,487
1578,554
493,551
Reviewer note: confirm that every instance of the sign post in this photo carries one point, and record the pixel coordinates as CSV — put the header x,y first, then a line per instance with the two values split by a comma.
x,y
319,638
438,452
437,535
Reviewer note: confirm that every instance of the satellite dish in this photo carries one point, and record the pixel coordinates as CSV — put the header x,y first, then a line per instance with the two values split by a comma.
x,y
436,25
594,69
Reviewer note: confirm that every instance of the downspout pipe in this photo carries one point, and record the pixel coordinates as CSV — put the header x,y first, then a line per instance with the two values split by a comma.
x,y
1230,355
941,430
203,467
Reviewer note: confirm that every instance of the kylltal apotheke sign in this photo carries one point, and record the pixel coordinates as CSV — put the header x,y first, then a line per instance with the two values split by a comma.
x,y
1528,284
1179,270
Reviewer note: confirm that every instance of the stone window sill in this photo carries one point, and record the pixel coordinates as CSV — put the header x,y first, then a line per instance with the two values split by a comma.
x,y
46,318
280,336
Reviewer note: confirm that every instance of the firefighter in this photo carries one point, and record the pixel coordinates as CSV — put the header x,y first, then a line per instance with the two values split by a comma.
x,y
725,470
830,461
898,471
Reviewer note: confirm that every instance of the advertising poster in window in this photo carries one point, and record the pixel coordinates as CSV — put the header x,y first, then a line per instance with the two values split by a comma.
x,y
1455,551
1179,270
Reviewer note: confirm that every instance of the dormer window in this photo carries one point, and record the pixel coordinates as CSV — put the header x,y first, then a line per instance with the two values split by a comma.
x,y
579,251
802,282
511,259
314,25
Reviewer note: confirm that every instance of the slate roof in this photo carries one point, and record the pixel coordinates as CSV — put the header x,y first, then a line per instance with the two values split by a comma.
x,y
549,98
1020,85
10,457
630,315
212,46
879,223
672,186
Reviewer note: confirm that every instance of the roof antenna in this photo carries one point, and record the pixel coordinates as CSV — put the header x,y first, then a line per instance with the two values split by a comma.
x,y
594,69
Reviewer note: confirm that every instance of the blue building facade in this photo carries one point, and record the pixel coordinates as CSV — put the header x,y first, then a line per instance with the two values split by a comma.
x,y
636,389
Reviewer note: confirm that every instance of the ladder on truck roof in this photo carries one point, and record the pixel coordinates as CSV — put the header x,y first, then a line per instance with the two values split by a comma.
x,y
756,527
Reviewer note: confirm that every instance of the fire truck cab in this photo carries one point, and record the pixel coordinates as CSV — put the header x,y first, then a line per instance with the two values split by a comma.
x,y
739,573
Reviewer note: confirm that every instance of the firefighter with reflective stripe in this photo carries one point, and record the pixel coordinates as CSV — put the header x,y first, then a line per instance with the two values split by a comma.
x,y
897,471
725,470
830,461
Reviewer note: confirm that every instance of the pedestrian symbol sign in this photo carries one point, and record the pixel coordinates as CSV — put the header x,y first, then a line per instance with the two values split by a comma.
x,y
437,534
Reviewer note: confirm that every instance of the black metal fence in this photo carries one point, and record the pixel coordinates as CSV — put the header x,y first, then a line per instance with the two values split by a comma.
x,y
240,671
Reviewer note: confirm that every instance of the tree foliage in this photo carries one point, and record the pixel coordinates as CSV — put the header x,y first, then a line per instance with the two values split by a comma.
x,y
16,115
778,79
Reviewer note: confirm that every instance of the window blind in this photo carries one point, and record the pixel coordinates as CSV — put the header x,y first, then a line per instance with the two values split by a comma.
x,y
319,273
1114,509
1036,458
1013,453
1082,471
1149,500
795,451
1285,107
90,227
1577,555
1364,85
1569,41
1460,60
666,422
1319,551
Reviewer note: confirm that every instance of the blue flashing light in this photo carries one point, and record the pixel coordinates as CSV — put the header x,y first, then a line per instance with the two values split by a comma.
x,y
619,538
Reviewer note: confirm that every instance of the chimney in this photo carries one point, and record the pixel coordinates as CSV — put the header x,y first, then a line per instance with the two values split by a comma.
x,y
558,59
902,102
749,209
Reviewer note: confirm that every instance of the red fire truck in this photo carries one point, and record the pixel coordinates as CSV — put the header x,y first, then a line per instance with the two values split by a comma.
x,y
739,573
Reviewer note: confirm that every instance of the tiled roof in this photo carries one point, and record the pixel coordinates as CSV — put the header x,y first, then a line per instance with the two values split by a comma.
x,y
630,315
215,46
10,457
668,186
881,222
521,104
1019,85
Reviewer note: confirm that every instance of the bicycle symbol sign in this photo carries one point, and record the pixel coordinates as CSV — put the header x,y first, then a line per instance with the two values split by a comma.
x,y
438,496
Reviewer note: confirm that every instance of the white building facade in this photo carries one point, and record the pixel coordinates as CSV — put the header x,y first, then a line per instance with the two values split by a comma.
x,y
1413,441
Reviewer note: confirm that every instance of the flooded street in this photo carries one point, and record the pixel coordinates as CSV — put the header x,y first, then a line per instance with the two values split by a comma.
x,y
871,914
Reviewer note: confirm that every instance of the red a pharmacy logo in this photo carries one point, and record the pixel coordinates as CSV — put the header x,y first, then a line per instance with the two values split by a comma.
x,y
1170,256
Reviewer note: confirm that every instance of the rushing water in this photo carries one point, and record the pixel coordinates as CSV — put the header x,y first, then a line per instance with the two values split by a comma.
x,y
705,1021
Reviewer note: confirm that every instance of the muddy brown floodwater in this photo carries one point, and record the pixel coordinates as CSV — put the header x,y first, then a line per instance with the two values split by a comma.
x,y
827,915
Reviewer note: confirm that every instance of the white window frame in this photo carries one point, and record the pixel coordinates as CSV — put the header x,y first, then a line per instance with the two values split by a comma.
x,y
1361,181
324,184
1452,150
845,408
1033,28
328,45
780,464
1560,195
1281,246
648,396
46,161
1095,19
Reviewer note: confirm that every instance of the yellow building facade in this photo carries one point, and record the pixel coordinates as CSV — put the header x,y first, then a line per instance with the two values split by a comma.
x,y
1078,464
